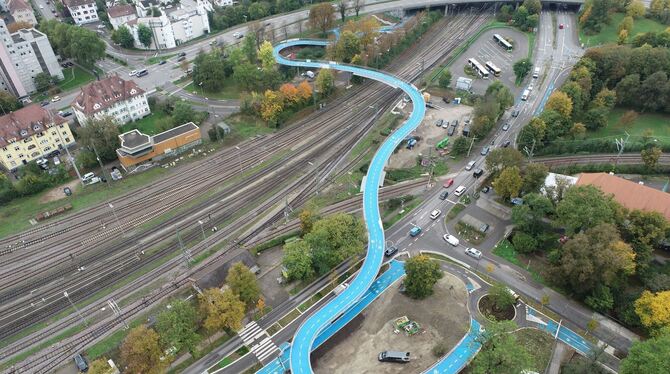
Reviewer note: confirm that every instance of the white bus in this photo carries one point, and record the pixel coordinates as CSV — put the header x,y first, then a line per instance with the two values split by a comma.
x,y
502,42
478,68
525,95
490,66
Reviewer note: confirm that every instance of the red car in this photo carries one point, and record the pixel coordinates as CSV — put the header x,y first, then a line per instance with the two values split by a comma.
x,y
448,183
560,26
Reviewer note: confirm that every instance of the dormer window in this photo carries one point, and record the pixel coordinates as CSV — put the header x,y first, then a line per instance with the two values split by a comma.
x,y
133,91
96,106
36,127
24,133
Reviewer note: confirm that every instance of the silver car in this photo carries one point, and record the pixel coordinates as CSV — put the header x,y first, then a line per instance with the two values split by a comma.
x,y
472,252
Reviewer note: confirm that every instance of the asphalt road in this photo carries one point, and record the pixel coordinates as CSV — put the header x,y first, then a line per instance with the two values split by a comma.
x,y
44,8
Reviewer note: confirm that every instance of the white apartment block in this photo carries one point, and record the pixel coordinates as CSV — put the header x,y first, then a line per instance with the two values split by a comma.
x,y
115,97
223,3
82,11
23,55
174,26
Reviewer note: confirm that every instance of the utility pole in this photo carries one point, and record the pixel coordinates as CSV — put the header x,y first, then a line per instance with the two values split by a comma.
x,y
67,150
186,254
620,145
471,144
529,152
287,210
117,312
67,296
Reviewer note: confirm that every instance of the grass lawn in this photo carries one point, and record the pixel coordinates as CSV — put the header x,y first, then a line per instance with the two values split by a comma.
x,y
609,33
157,59
289,317
469,233
539,344
147,125
74,77
15,215
454,212
244,127
658,123
230,91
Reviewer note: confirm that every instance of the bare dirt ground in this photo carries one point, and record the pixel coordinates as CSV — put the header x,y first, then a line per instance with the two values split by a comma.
x,y
354,349
430,134
57,193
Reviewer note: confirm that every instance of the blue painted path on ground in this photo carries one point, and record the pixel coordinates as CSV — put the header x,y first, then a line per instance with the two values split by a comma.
x,y
307,333
565,335
460,355
396,271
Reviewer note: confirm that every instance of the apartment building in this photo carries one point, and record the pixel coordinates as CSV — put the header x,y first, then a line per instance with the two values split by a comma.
x,y
23,55
82,11
171,25
121,14
21,11
30,133
118,98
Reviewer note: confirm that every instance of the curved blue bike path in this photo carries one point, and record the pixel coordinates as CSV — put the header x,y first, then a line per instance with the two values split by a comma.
x,y
304,338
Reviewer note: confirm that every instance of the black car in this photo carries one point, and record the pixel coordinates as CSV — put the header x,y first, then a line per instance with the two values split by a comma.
x,y
181,58
444,195
162,62
390,251
181,54
80,362
44,103
515,113
486,189
506,144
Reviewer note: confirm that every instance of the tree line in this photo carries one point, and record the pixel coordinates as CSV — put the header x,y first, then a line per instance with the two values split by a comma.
x,y
183,327
605,77
70,41
525,17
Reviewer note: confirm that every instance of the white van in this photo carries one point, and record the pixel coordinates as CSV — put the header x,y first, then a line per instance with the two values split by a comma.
x,y
87,176
459,191
451,240
525,95
536,72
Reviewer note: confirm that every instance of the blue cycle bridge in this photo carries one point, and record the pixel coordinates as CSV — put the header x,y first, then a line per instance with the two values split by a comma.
x,y
308,331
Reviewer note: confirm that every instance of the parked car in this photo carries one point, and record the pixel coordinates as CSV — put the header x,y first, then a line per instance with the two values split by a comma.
x,y
393,356
162,62
55,99
64,113
451,240
445,125
448,183
486,189
472,252
439,122
181,54
133,73
80,363
237,35
390,251
56,160
44,103
415,231
517,201
435,213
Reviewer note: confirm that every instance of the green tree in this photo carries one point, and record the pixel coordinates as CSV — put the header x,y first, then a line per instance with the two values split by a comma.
x,y
605,99
528,217
626,24
183,113
501,353
534,175
501,297
508,183
325,82
521,68
123,37
533,6
524,243
42,81
561,103
594,258
502,95
249,48
209,70
101,134
520,16
445,78
177,326
649,356
220,310
141,353
144,35
307,219
532,135
501,158
298,260
601,299
460,146
243,283
322,17
266,57
7,190
584,207
653,310
8,103
422,274
347,46
650,157
99,366
505,13
335,239
635,9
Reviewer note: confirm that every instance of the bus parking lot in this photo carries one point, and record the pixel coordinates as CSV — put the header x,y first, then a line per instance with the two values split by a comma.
x,y
485,49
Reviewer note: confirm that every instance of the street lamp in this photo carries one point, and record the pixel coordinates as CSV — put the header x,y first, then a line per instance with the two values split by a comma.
x,y
202,92
75,307
114,212
203,230
316,176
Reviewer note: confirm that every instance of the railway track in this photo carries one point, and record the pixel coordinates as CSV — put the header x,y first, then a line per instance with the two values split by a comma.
x,y
306,181
624,159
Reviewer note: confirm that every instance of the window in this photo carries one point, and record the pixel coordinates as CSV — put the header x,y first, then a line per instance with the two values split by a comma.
x,y
21,155
9,156
57,140
67,140
32,146
17,148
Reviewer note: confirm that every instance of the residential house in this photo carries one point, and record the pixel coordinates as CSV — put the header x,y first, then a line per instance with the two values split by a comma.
x,y
30,133
121,14
82,11
21,11
118,98
171,25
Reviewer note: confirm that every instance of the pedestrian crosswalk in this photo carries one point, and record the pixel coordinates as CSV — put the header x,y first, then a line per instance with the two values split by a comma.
x,y
259,340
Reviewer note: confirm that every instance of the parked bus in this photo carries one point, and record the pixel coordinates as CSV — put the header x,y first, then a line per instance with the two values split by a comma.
x,y
502,42
478,68
525,95
493,69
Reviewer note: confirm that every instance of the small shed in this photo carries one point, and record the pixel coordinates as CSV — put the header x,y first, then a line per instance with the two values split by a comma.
x,y
224,126
463,83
